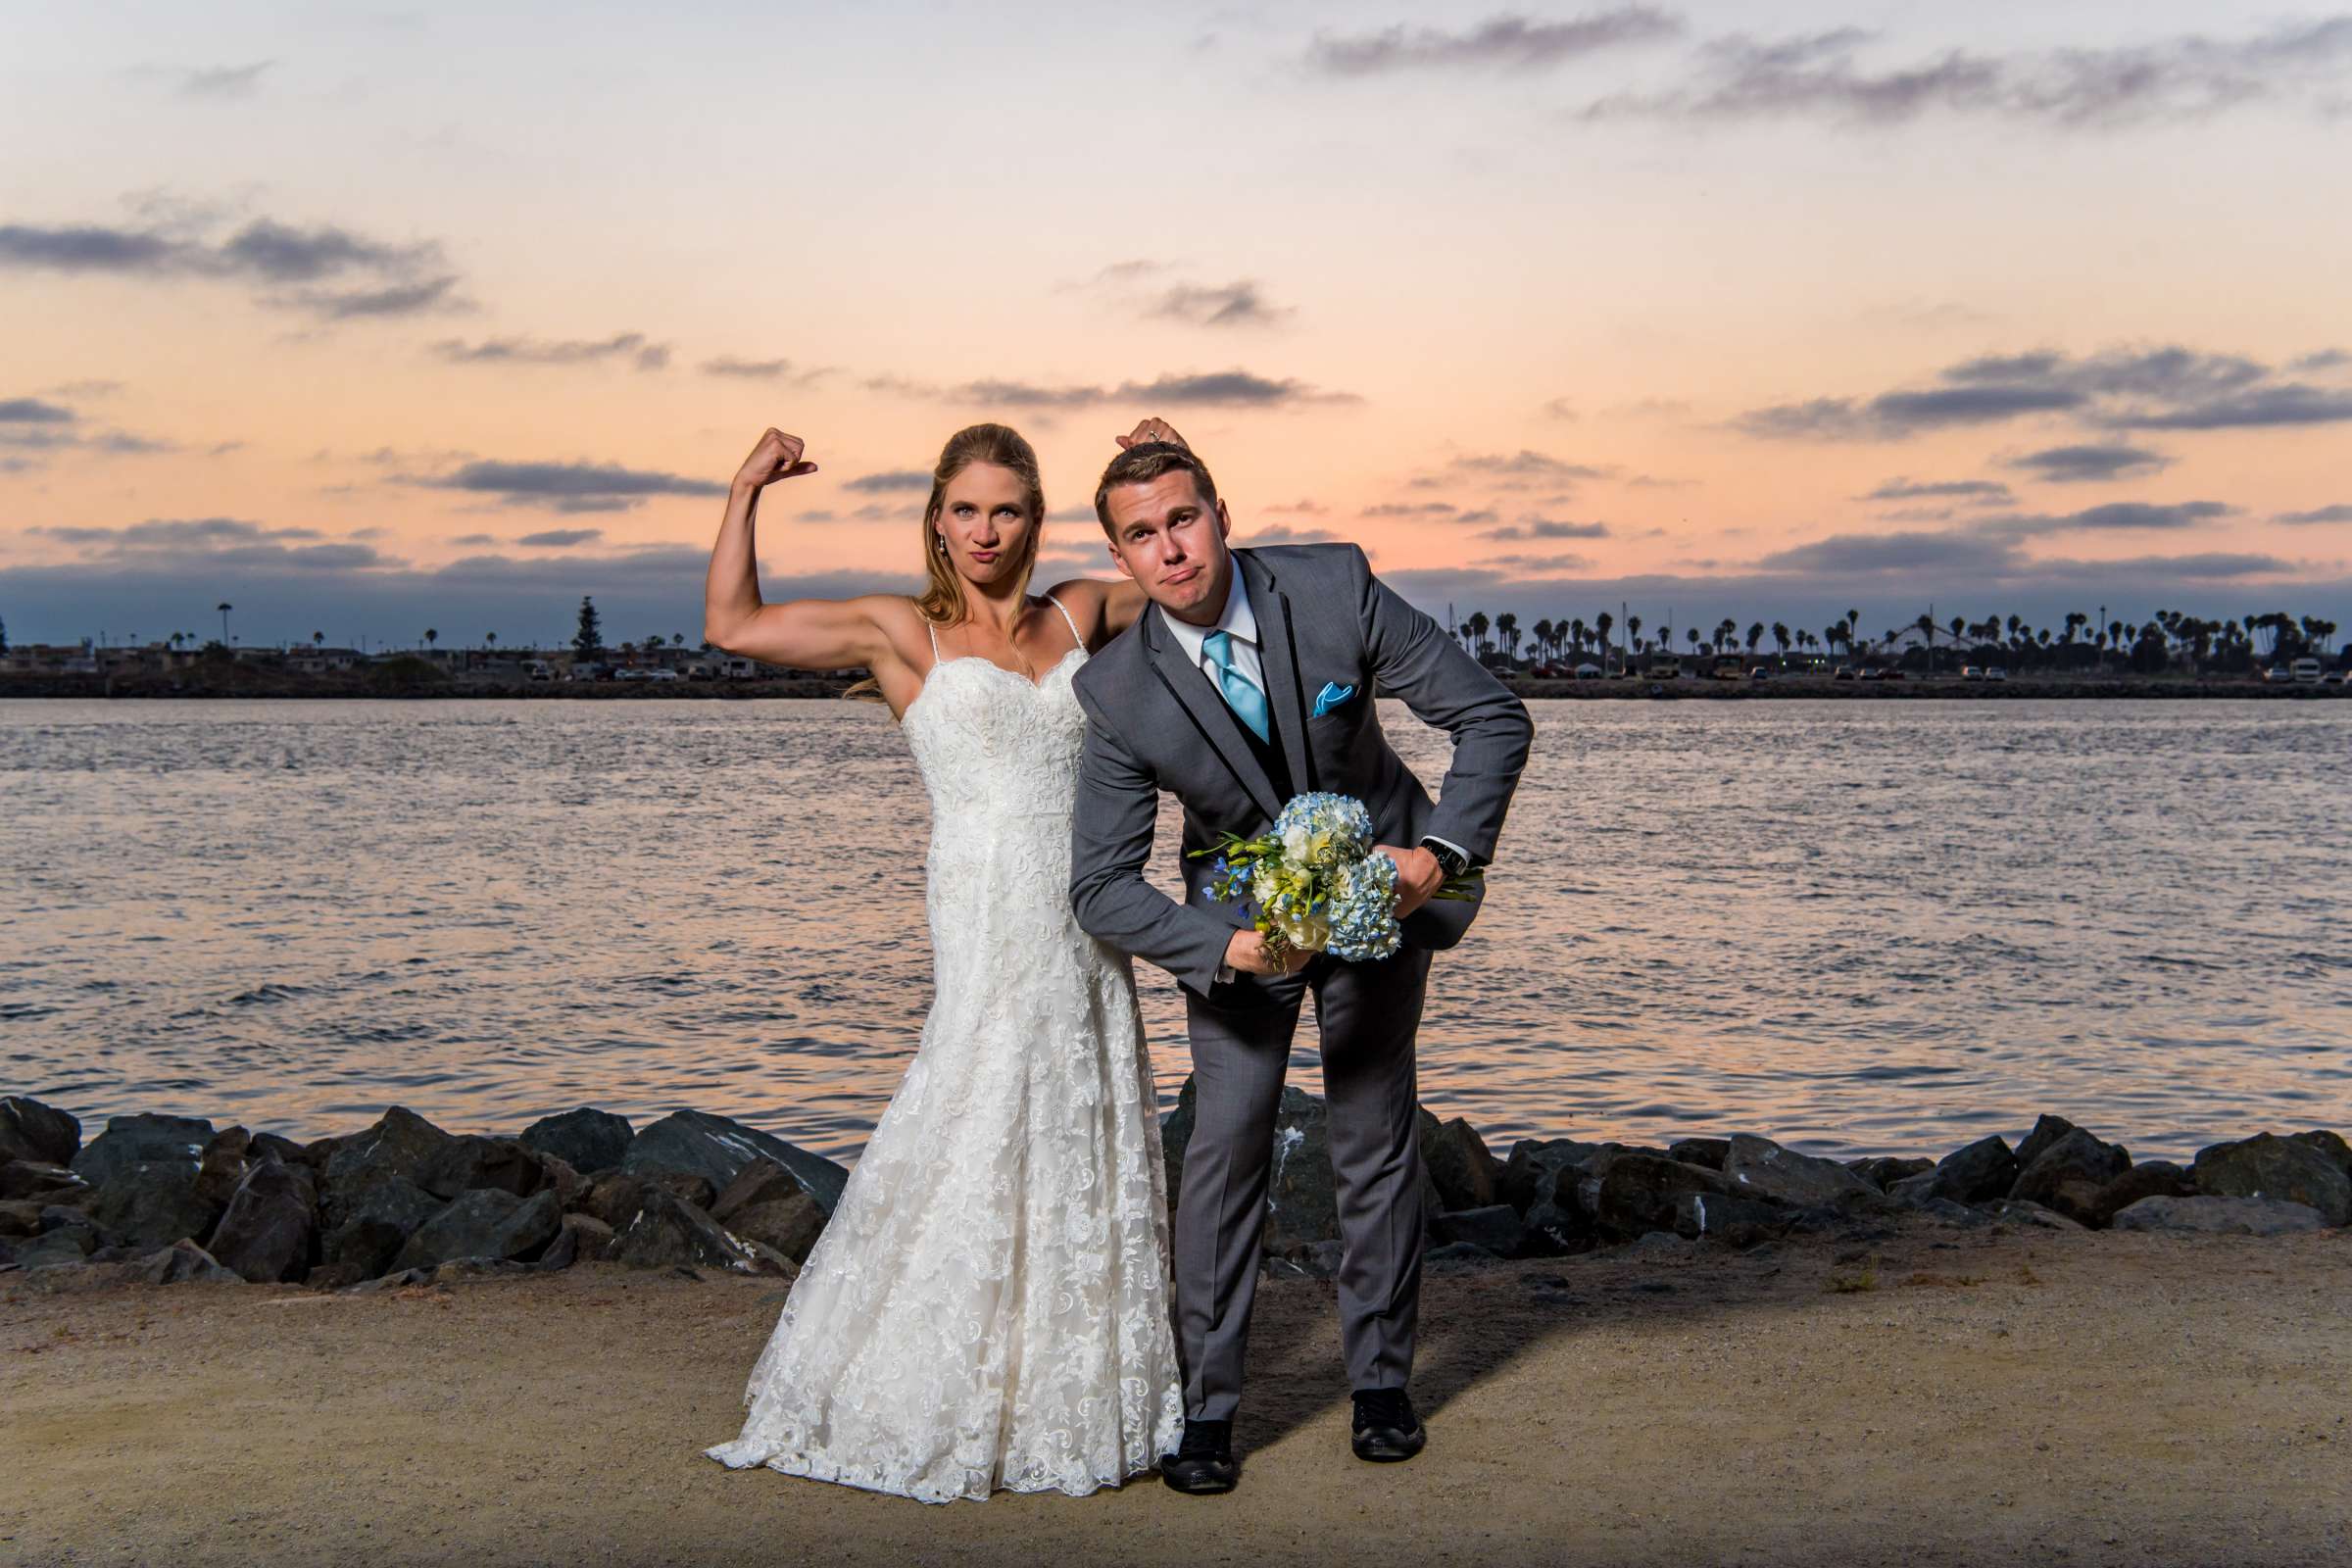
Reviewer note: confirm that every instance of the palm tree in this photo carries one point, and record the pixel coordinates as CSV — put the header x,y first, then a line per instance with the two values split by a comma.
x,y
1507,627
1633,629
1780,634
490,639
1604,623
431,636
224,607
1542,633
317,639
1477,625
1755,634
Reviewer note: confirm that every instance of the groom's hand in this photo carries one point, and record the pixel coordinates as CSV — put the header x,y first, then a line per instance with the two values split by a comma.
x,y
1418,875
1150,431
1247,951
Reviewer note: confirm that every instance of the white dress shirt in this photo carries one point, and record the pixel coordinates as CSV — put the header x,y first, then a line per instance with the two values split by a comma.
x,y
1239,622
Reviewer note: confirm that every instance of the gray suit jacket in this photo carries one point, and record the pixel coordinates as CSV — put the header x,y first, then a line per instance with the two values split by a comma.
x,y
1331,636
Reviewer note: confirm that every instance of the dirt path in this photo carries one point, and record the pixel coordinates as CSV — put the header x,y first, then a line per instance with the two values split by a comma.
x,y
2044,1399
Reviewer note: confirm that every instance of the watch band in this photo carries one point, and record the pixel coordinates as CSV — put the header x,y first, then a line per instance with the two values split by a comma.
x,y
1451,861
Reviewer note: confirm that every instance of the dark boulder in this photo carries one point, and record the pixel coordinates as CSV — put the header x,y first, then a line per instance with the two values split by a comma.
x,y
1759,1168
1176,1136
271,1222
1532,1173
30,1130
2150,1178
2329,1144
1976,1173
2047,1130
64,1243
275,1145
41,1182
400,1143
2220,1216
152,1203
790,1226
715,1148
589,1140
1303,1203
1708,1152
1464,1171
617,1197
2036,1216
2074,1157
21,1216
766,1204
368,1221
470,1161
1884,1170
223,1165
591,1237
1551,1230
1498,1228
484,1222
1735,1221
182,1262
143,1139
669,1231
2264,1166
1632,1194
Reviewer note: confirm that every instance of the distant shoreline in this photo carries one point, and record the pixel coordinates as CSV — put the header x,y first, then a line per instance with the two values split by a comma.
x,y
250,684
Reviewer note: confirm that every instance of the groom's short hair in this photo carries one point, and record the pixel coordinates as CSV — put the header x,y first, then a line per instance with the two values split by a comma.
x,y
1146,461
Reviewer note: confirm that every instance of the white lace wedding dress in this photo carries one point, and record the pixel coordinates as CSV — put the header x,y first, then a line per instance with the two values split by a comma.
x,y
988,1306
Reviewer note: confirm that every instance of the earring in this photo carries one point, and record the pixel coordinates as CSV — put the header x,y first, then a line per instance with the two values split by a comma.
x,y
941,540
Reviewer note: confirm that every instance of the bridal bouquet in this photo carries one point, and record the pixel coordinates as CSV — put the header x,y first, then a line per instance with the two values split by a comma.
x,y
1316,882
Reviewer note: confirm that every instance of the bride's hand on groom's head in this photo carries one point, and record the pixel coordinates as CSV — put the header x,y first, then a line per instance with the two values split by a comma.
x,y
1154,429
776,455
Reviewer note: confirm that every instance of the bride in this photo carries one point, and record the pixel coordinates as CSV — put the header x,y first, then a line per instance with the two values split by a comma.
x,y
989,1304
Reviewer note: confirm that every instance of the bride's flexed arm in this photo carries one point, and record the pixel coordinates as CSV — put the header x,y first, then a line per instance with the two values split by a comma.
x,y
803,633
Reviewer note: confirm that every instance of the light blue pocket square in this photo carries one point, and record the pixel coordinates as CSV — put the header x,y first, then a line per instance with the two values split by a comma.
x,y
1331,696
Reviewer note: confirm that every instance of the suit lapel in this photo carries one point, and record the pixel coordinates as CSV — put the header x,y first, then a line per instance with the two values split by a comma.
x,y
1189,684
1277,648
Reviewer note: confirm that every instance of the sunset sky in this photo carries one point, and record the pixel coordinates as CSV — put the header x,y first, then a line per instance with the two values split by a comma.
x,y
441,316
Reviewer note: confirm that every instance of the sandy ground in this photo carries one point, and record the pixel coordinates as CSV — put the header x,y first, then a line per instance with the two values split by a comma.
x,y
2011,1397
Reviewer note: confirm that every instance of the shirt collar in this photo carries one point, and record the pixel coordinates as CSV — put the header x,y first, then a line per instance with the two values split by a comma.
x,y
1237,618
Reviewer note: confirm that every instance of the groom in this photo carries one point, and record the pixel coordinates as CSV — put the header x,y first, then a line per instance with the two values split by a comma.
x,y
1250,678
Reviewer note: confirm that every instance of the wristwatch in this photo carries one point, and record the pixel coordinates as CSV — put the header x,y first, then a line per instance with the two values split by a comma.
x,y
1451,861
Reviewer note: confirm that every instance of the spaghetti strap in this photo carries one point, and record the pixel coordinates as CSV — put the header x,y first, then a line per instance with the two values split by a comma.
x,y
934,634
1075,634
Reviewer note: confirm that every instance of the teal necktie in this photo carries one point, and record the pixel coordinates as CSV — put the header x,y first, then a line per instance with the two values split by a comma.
x,y
1248,702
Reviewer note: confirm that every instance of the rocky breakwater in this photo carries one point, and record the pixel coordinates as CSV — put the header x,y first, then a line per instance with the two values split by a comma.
x,y
167,1198
1551,1197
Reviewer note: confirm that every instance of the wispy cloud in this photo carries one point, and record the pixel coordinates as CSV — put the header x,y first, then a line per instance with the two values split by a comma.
x,y
1549,528
325,270
1504,42
893,479
783,371
2164,388
1236,388
560,538
2340,513
1823,76
2120,515
2077,465
222,81
631,346
566,486
1982,492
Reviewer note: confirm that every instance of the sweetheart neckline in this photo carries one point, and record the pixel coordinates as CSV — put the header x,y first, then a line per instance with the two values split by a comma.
x,y
938,665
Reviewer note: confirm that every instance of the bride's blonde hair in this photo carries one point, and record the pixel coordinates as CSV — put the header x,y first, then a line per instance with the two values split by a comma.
x,y
942,602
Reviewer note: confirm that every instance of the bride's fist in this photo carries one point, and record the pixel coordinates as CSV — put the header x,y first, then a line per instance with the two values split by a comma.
x,y
776,457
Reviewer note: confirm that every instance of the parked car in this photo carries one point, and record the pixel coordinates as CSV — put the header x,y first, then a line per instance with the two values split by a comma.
x,y
1845,672
1891,674
1996,673
2305,671
1868,672
1759,673
1587,672
1970,672
664,674
632,675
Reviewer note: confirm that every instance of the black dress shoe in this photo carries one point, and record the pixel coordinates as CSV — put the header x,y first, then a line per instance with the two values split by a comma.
x,y
1386,1428
1203,1462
